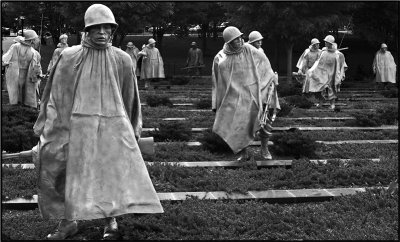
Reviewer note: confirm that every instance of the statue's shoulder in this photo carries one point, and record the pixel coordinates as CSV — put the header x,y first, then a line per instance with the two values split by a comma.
x,y
71,51
121,54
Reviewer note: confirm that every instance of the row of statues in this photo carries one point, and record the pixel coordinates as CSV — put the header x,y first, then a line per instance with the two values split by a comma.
x,y
90,121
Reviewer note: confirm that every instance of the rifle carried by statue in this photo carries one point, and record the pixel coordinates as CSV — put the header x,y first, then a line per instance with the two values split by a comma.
x,y
264,118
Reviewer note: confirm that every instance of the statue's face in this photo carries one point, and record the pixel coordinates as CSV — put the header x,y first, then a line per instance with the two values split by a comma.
x,y
63,40
257,44
315,46
237,43
328,45
100,34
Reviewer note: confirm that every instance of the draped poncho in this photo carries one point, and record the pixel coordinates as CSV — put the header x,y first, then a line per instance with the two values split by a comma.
x,y
22,74
133,53
325,72
385,67
195,57
308,58
56,54
90,165
152,63
240,82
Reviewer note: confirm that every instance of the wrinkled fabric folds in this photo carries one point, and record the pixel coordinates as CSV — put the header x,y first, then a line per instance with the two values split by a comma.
x,y
90,165
325,73
195,57
240,83
133,53
152,64
22,74
385,67
56,54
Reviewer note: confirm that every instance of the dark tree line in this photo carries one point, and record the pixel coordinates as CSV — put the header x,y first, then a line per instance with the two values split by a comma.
x,y
284,22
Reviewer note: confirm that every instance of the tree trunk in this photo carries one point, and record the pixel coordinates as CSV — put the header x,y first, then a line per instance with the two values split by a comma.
x,y
114,39
204,30
154,32
276,54
215,32
289,50
78,37
55,36
159,38
123,35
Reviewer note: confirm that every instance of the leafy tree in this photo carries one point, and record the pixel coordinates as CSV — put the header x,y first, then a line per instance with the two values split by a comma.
x,y
205,14
159,16
288,22
377,22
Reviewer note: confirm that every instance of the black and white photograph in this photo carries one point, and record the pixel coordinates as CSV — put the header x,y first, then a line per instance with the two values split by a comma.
x,y
199,120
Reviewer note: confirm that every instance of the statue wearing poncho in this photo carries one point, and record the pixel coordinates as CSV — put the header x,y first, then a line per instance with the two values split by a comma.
x,y
152,63
22,73
384,67
90,165
305,62
241,80
56,54
325,74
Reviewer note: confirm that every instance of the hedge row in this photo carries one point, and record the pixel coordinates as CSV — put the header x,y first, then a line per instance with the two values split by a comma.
x,y
17,128
383,116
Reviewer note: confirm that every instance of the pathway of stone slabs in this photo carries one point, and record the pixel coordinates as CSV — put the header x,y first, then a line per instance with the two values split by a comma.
x,y
281,118
347,110
273,196
309,128
225,164
351,99
193,104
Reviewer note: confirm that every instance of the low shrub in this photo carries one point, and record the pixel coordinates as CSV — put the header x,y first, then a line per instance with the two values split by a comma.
x,y
361,105
289,88
370,119
204,104
299,101
293,144
17,128
391,93
388,114
157,100
213,142
179,80
285,108
172,131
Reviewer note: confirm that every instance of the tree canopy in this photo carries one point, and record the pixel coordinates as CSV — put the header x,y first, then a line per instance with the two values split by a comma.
x,y
285,22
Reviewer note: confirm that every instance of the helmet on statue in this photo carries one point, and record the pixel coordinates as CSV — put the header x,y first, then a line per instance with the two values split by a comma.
x,y
314,41
99,14
230,33
30,34
255,36
151,41
329,39
63,36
